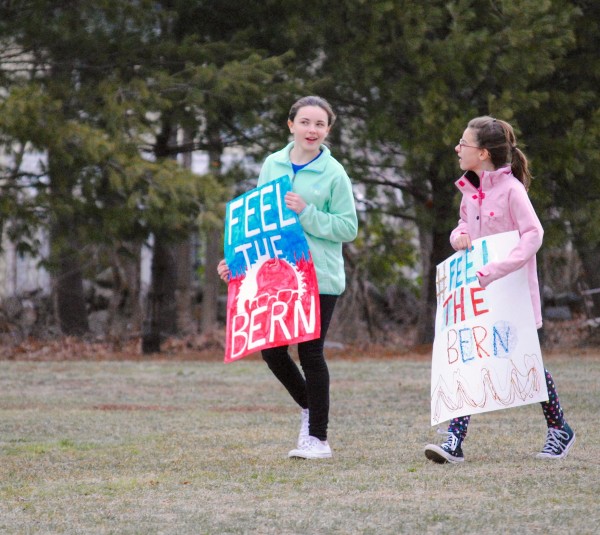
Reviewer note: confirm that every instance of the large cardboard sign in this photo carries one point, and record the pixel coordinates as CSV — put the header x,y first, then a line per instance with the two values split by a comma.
x,y
486,352
273,296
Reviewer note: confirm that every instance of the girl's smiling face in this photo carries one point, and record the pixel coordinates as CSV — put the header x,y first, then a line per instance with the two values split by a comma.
x,y
470,156
309,128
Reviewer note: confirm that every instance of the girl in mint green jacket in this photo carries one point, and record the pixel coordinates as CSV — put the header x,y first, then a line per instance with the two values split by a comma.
x,y
322,197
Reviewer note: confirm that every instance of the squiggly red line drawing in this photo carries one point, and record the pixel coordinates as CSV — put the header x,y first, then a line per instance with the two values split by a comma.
x,y
522,386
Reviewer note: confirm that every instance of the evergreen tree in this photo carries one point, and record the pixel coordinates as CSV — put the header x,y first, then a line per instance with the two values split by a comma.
x,y
418,72
73,96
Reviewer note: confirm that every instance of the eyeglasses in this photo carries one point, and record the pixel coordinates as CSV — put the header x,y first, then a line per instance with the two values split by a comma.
x,y
462,143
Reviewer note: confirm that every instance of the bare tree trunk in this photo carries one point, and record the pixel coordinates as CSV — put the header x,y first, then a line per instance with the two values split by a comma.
x,y
435,248
210,294
69,297
161,316
424,323
183,288
214,253
169,301
131,266
124,307
118,285
65,251
184,269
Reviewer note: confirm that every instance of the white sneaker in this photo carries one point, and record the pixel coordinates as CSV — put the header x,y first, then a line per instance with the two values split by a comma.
x,y
312,448
303,427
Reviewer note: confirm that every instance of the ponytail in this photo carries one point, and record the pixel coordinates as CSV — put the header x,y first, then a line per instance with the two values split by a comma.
x,y
498,138
520,166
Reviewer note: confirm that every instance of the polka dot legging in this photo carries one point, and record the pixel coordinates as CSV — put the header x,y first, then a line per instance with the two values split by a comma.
x,y
552,412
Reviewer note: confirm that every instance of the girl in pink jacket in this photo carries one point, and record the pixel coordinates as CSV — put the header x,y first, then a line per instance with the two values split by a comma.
x,y
495,199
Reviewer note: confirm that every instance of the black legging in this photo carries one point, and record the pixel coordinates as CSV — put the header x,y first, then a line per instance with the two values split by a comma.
x,y
311,390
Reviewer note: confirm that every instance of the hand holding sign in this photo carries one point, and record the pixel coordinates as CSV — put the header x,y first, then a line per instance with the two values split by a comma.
x,y
294,202
223,270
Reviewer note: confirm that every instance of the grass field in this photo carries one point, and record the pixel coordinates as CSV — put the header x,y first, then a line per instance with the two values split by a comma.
x,y
201,447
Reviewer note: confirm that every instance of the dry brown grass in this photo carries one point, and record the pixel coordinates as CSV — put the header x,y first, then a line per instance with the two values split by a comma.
x,y
200,447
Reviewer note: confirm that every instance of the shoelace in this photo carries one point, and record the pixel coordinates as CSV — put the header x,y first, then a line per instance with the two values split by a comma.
x,y
553,440
306,443
451,441
309,442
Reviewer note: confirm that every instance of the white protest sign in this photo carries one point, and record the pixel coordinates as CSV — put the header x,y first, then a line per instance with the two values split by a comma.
x,y
486,352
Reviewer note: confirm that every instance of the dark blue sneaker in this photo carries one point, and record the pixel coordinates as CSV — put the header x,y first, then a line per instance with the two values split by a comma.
x,y
558,443
449,452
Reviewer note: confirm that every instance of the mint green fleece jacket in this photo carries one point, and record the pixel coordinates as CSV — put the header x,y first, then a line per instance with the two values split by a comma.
x,y
330,216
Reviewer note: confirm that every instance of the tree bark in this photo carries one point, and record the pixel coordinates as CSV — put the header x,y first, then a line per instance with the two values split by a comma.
x,y
125,304
214,252
210,293
65,251
435,248
184,264
69,297
438,252
131,266
183,287
161,313
424,328
161,319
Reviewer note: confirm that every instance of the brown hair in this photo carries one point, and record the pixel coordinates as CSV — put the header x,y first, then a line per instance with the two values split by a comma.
x,y
498,138
312,101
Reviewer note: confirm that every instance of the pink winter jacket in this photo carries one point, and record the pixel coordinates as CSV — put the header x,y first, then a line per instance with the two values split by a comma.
x,y
501,205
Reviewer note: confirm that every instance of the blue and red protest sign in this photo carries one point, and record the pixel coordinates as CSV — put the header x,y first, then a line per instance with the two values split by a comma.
x,y
273,296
